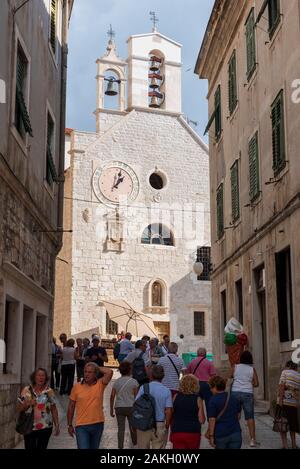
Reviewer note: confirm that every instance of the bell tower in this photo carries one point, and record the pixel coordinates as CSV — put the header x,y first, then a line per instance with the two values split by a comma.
x,y
111,82
154,72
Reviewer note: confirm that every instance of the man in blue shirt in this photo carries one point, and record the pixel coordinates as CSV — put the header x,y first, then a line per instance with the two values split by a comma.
x,y
163,412
125,347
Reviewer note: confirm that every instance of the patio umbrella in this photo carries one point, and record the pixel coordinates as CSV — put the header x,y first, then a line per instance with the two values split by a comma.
x,y
130,320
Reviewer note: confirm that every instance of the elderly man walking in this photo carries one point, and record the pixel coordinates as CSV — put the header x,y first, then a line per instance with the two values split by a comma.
x,y
203,369
172,365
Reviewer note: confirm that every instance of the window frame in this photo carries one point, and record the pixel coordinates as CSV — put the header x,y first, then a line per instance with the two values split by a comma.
x,y
220,211
22,141
201,325
50,113
279,163
235,191
161,227
273,26
254,193
250,34
218,112
232,83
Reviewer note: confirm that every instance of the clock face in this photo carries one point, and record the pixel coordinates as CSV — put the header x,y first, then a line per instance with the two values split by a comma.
x,y
115,183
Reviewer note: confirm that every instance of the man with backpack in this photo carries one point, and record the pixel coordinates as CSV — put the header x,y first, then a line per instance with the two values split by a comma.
x,y
152,412
141,364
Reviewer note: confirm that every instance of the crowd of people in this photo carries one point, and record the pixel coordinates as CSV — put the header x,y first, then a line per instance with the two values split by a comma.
x,y
160,398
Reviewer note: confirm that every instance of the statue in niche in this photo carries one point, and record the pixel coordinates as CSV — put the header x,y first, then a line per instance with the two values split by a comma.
x,y
115,241
156,294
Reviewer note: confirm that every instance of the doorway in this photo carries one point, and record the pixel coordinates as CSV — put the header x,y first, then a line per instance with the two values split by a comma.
x,y
162,328
260,350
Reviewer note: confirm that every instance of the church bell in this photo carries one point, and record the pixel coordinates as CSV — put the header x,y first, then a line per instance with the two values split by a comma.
x,y
155,102
154,83
112,87
155,64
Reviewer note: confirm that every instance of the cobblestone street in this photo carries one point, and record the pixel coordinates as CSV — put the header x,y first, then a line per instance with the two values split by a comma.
x,y
265,435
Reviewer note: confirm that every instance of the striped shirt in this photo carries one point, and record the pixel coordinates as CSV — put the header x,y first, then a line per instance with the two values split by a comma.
x,y
171,378
291,381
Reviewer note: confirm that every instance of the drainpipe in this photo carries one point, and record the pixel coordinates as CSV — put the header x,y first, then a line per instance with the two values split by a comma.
x,y
61,169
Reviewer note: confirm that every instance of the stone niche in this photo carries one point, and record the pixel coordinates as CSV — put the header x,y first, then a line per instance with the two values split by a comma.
x,y
158,302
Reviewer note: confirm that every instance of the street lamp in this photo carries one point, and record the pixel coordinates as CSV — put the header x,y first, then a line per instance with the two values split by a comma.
x,y
198,267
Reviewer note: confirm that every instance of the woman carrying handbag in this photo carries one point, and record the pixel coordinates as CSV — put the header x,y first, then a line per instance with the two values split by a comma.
x,y
223,414
37,412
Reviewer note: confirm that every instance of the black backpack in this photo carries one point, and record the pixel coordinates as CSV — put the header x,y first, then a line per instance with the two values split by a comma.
x,y
143,411
116,351
139,369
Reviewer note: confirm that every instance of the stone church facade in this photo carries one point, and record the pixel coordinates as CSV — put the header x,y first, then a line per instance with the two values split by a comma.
x,y
137,202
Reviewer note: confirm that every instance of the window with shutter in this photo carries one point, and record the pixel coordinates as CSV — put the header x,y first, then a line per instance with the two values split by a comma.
x,y
199,323
235,196
220,211
278,139
22,120
51,174
274,15
250,44
218,118
232,84
254,186
53,20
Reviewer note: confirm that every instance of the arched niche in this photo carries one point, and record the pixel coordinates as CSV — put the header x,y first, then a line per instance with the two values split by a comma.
x,y
158,298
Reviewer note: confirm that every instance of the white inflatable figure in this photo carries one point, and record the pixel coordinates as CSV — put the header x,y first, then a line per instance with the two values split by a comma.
x,y
233,327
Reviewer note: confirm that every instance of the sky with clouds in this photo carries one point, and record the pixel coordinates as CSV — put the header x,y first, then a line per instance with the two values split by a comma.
x,y
184,21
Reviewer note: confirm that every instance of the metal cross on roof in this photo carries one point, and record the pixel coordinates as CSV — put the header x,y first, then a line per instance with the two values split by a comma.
x,y
111,33
154,19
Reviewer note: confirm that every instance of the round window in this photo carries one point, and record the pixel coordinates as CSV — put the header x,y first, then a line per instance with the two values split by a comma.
x,y
156,181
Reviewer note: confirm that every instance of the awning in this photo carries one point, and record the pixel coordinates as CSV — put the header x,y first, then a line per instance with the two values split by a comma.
x,y
130,320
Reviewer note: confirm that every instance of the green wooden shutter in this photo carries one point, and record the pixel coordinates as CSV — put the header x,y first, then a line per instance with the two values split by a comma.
x,y
218,120
220,211
274,15
251,44
254,186
22,120
235,196
53,13
51,174
232,84
278,140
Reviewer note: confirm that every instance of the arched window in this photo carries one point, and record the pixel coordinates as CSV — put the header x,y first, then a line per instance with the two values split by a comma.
x,y
158,234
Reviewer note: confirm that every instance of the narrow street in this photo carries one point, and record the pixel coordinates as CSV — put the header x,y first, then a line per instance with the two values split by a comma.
x,y
265,435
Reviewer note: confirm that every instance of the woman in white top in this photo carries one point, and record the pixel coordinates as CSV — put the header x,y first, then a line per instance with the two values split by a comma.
x,y
67,367
244,380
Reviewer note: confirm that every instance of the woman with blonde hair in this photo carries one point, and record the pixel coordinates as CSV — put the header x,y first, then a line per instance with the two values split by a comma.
x,y
188,415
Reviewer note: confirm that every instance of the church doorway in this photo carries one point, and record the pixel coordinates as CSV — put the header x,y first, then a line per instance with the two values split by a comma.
x,y
162,328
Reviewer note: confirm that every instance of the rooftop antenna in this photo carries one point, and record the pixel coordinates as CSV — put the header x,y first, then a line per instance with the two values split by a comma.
x,y
155,20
